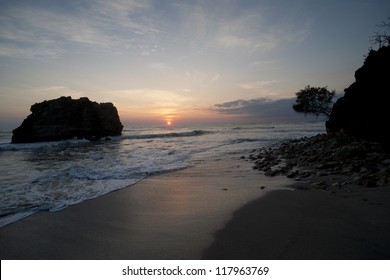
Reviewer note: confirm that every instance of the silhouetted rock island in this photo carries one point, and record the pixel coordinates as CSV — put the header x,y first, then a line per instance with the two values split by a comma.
x,y
67,118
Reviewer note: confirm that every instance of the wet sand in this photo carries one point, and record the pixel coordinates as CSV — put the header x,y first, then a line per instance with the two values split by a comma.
x,y
219,209
168,216
309,225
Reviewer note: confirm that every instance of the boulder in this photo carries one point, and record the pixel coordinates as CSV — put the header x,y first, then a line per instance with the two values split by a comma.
x,y
363,111
66,118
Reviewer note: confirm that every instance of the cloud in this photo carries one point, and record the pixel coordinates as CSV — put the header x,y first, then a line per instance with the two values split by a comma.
x,y
201,76
245,33
232,26
261,109
31,51
263,63
43,30
298,34
216,77
256,85
129,14
53,29
135,25
152,104
55,91
142,98
255,30
159,66
240,106
248,43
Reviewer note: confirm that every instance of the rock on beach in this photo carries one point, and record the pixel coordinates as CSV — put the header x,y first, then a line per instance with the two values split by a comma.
x,y
360,161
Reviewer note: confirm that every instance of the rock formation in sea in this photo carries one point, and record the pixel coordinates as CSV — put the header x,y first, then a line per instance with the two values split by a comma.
x,y
66,118
364,110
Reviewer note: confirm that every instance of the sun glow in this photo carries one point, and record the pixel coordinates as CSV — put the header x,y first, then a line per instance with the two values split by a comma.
x,y
168,120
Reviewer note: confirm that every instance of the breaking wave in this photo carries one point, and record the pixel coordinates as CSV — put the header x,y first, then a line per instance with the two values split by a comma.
x,y
168,135
50,176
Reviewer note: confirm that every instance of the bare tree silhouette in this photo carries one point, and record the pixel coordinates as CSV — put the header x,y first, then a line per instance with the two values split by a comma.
x,y
382,39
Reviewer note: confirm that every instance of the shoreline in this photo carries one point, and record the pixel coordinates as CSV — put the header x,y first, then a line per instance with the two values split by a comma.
x,y
218,209
340,208
167,216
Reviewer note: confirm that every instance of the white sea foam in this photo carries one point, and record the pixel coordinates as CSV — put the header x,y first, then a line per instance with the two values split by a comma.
x,y
54,175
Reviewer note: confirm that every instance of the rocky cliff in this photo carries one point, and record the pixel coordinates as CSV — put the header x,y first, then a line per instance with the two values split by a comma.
x,y
66,118
364,110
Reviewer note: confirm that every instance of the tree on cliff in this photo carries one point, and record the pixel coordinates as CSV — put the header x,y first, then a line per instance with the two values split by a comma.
x,y
382,39
314,101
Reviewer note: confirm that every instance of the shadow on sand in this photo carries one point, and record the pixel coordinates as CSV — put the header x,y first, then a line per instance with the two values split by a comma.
x,y
299,224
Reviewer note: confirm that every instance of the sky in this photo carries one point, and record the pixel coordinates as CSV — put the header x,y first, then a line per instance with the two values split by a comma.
x,y
189,62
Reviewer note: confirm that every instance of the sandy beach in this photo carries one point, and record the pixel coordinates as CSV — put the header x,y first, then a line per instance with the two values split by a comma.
x,y
308,225
167,216
219,209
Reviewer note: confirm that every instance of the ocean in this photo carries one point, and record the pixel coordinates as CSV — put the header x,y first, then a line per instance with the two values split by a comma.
x,y
50,176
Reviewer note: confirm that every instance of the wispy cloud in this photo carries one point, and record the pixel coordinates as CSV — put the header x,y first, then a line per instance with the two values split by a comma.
x,y
260,109
252,44
159,66
55,91
241,106
150,98
43,31
246,31
201,76
122,25
48,30
256,85
299,33
229,26
262,63
129,14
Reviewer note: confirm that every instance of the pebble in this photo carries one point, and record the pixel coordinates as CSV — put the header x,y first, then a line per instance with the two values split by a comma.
x,y
366,163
